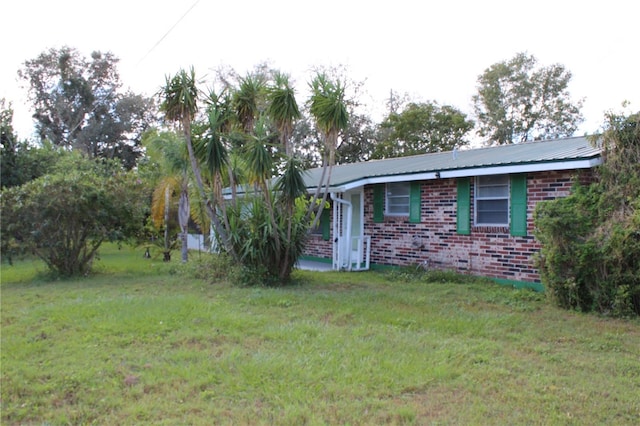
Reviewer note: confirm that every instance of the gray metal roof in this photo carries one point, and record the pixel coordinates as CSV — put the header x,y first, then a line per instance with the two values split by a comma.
x,y
556,154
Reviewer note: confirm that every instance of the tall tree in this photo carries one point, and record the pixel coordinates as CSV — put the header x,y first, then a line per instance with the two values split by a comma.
x,y
8,146
180,104
283,109
77,104
328,108
21,162
421,128
358,139
518,101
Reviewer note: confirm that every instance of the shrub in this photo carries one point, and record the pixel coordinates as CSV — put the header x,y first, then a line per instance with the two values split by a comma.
x,y
590,257
64,217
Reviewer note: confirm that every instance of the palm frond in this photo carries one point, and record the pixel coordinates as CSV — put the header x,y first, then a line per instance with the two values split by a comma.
x,y
170,183
180,96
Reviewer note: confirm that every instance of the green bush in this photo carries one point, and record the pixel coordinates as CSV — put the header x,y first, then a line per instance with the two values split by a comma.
x,y
269,239
590,257
64,217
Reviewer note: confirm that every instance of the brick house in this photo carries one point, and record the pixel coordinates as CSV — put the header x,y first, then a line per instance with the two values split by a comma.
x,y
469,210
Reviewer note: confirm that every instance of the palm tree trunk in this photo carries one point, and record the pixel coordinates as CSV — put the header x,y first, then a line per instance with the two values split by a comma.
x,y
167,196
220,230
183,219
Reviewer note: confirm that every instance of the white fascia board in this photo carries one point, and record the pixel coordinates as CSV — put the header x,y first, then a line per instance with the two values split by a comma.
x,y
523,168
383,179
477,171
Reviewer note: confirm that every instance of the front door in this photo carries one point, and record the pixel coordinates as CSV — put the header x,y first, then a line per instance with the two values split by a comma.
x,y
351,248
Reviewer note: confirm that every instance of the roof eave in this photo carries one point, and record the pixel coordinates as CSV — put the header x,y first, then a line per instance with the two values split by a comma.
x,y
578,163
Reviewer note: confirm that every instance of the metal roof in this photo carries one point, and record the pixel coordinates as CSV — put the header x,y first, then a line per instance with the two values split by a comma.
x,y
556,154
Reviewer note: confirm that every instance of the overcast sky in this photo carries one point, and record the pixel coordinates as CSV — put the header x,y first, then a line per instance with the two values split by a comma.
x,y
432,50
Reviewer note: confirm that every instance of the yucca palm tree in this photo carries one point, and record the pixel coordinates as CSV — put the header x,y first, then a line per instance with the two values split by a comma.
x,y
247,99
180,104
328,108
283,109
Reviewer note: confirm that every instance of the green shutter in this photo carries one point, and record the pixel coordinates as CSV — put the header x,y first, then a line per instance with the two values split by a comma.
x,y
414,202
519,205
325,223
464,207
378,203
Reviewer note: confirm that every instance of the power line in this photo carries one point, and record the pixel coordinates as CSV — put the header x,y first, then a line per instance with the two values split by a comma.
x,y
167,33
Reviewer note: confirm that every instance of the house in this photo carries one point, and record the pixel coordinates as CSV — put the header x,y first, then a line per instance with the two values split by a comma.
x,y
467,210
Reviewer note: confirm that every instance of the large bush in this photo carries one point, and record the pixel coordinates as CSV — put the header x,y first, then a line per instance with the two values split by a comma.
x,y
590,259
64,217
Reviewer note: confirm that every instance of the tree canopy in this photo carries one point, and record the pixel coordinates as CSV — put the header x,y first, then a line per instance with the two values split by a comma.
x,y
519,101
78,104
21,162
63,217
421,128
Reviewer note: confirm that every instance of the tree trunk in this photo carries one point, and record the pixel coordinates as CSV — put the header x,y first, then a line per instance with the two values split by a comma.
x,y
209,208
167,196
183,219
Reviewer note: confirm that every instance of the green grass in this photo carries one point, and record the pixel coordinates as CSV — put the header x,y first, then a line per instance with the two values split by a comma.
x,y
140,342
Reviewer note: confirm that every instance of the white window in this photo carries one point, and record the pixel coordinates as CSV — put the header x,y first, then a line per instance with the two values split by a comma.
x,y
398,199
492,200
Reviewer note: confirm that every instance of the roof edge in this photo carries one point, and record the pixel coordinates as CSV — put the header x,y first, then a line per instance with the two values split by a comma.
x,y
585,163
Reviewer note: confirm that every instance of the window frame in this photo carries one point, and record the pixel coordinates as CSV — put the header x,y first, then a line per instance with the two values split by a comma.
x,y
387,199
477,198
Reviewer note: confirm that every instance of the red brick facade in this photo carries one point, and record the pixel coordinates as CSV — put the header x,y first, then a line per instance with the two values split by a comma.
x,y
434,242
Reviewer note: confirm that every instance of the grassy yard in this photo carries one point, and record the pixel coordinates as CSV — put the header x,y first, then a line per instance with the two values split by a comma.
x,y
141,342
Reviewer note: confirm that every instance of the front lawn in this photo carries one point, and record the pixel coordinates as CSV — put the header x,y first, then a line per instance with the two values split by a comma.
x,y
141,342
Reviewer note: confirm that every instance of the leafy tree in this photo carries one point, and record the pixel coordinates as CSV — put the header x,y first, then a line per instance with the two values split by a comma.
x,y
20,161
78,104
518,101
421,128
8,144
307,142
358,139
65,216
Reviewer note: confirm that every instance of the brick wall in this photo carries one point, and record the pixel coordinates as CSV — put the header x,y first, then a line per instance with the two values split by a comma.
x,y
487,251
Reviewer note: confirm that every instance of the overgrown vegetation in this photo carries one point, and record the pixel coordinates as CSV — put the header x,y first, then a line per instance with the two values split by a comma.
x,y
590,258
142,343
243,144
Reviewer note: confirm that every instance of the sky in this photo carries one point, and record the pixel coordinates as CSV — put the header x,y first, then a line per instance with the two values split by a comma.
x,y
432,50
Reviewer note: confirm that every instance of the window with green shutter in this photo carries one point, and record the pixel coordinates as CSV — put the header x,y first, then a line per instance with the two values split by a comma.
x,y
519,205
415,202
325,223
492,200
463,225
378,203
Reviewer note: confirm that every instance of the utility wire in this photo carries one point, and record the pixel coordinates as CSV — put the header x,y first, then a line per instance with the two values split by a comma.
x,y
167,33
142,59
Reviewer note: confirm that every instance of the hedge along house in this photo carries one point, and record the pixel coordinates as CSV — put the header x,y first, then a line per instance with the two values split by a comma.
x,y
470,211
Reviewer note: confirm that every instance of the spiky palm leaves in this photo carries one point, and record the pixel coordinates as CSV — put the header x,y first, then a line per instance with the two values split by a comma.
x,y
265,230
328,107
180,103
283,109
247,100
